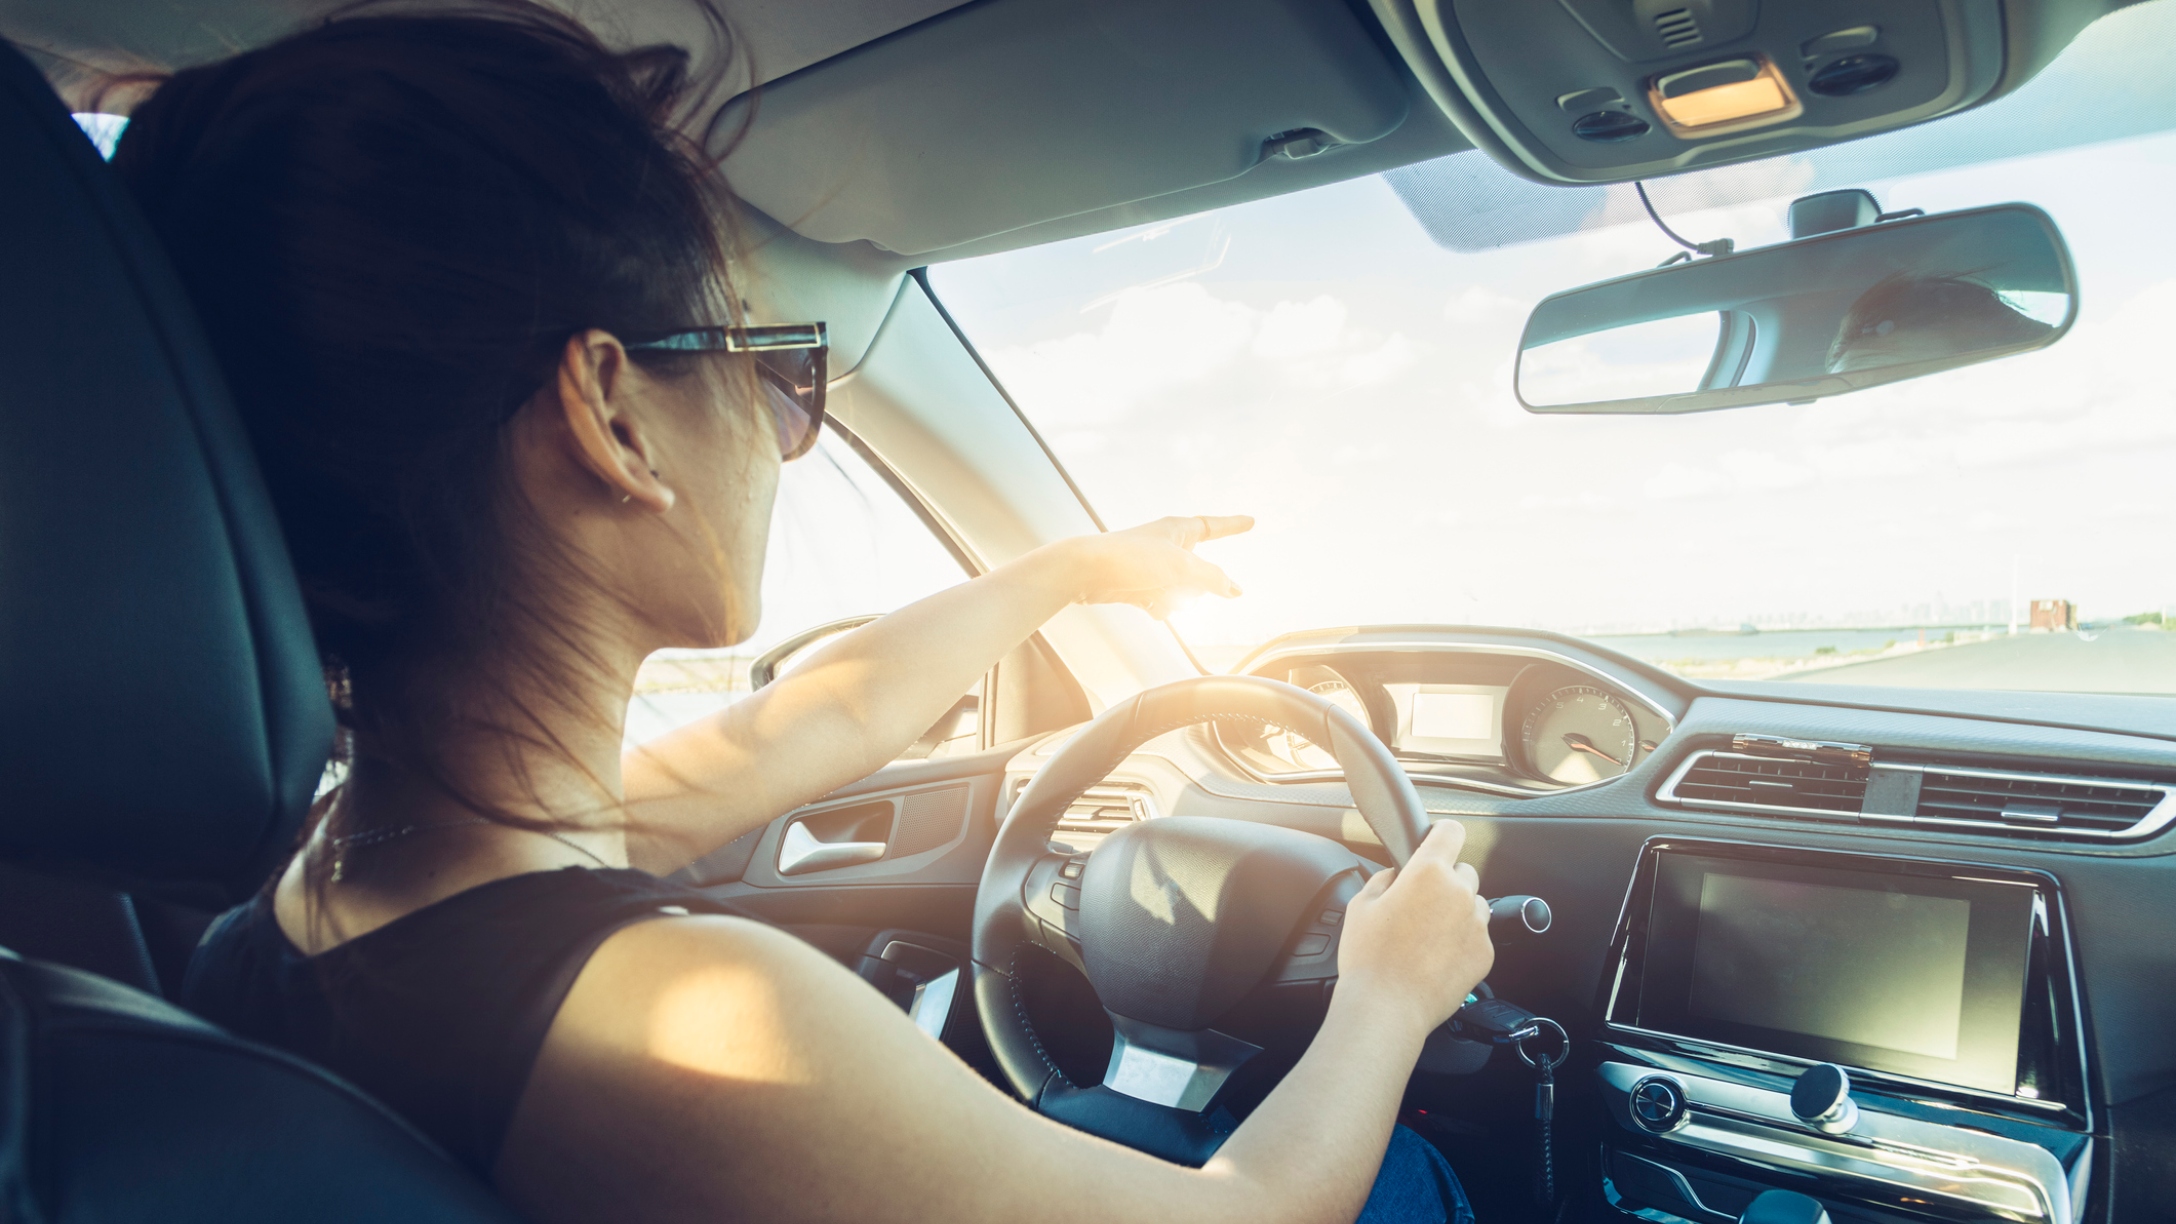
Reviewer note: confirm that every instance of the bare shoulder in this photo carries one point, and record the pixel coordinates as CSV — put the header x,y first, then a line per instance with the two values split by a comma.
x,y
709,1068
716,995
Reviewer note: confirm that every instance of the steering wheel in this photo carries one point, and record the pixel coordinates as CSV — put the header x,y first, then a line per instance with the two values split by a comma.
x,y
1190,929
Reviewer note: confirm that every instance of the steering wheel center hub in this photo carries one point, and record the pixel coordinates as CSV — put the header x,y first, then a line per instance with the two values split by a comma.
x,y
1182,917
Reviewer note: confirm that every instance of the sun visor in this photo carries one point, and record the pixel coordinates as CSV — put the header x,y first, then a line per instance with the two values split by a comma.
x,y
1008,113
1600,91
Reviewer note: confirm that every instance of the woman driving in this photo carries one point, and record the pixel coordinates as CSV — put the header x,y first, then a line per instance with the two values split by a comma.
x,y
473,295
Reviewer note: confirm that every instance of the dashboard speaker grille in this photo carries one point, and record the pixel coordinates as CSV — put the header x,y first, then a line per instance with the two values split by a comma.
x,y
1736,780
929,819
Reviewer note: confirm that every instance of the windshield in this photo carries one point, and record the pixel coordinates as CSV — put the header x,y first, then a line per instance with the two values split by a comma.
x,y
1338,363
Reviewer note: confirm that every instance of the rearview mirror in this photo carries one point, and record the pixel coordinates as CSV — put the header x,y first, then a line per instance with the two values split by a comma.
x,y
1800,320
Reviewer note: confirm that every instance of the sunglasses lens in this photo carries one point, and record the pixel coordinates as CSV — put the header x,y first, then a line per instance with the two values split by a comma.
x,y
793,389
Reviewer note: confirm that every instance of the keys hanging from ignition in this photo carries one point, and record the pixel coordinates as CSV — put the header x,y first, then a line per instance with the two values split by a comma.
x,y
1495,1021
1544,1103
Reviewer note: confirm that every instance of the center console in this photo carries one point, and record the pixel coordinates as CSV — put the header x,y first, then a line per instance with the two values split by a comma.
x,y
1898,1038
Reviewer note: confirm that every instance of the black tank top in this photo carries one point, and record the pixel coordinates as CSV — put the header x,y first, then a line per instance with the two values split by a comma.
x,y
441,1012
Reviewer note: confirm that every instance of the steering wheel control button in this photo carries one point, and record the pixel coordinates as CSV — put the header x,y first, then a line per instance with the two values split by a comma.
x,y
1822,1099
1331,917
1312,945
1071,870
1065,895
1657,1104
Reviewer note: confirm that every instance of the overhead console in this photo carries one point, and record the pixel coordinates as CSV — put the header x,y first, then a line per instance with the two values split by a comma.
x,y
1898,1037
1588,91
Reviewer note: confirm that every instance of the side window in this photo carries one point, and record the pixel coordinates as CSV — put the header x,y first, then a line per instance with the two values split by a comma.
x,y
843,544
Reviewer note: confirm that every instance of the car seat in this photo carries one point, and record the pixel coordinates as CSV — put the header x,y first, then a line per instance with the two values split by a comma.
x,y
163,725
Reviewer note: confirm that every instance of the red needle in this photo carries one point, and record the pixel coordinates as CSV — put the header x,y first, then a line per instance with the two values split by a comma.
x,y
1579,743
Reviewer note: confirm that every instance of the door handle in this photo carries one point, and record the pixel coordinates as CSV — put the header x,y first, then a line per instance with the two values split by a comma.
x,y
800,852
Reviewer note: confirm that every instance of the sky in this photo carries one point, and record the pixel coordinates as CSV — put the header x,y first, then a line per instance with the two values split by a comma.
x,y
1321,362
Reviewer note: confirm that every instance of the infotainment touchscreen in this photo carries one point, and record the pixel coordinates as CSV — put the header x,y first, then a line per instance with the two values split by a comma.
x,y
1916,975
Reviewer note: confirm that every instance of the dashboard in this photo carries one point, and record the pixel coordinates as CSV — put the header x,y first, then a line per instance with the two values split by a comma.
x,y
1951,908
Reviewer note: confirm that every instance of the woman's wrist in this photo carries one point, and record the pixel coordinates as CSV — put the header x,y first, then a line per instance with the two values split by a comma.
x,y
1393,1018
1064,569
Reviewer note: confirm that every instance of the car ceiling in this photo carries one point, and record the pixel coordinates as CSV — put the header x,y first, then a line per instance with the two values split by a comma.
x,y
922,130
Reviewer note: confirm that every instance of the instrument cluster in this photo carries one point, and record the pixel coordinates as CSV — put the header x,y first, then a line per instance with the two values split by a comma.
x,y
1520,719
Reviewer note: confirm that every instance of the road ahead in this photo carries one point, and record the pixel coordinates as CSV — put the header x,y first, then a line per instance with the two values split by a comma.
x,y
2109,661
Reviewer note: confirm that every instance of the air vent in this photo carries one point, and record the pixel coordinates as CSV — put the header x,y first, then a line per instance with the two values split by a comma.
x,y
1949,796
1737,781
1841,782
1677,28
1098,812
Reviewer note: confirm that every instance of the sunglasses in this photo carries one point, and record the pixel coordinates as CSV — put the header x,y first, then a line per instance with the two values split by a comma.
x,y
791,366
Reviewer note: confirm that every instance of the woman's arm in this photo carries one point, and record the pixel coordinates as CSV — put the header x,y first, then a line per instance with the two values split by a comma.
x,y
709,1069
860,700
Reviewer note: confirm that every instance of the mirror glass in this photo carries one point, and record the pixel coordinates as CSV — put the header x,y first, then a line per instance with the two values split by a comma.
x,y
1658,357
1800,320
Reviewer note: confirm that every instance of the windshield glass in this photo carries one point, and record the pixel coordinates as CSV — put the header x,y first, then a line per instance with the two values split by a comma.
x,y
1338,363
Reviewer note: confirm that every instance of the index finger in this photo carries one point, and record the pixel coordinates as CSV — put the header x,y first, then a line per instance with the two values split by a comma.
x,y
1217,526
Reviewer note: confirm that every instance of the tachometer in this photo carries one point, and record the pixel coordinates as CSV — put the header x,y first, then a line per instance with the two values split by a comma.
x,y
1340,694
1580,734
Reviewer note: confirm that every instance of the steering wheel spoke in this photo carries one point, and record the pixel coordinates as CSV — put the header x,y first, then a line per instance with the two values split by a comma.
x,y
1178,1069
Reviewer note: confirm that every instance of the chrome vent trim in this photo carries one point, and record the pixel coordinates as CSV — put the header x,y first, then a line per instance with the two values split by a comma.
x,y
1745,782
1097,812
1106,808
2035,804
1835,784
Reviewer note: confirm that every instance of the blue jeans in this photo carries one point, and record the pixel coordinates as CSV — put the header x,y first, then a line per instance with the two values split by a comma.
x,y
1415,1186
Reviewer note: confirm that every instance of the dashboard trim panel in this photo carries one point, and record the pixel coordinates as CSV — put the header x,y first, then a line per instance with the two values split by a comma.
x,y
2007,1177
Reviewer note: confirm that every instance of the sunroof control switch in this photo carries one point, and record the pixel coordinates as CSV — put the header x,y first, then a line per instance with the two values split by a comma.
x,y
1822,1099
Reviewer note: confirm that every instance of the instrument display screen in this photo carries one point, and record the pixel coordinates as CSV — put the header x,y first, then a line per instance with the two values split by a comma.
x,y
1916,975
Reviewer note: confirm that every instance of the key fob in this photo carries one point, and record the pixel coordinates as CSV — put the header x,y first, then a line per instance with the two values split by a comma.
x,y
1496,1021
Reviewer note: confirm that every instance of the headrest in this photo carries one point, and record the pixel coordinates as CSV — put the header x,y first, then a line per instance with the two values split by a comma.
x,y
163,720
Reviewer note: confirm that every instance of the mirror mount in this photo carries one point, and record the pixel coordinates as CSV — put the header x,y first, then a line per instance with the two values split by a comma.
x,y
1851,208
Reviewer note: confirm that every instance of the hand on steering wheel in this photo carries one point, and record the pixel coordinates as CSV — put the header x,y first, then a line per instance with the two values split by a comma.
x,y
1153,566
1208,939
1417,935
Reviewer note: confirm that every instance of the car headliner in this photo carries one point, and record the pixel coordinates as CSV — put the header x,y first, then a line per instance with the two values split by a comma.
x,y
1007,154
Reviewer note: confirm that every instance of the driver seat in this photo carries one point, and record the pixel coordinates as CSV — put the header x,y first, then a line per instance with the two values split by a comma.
x,y
163,725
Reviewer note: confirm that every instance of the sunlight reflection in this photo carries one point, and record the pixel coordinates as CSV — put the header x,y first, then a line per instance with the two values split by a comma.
x,y
1160,891
727,1021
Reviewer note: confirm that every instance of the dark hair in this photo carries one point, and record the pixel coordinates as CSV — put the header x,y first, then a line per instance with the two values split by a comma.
x,y
1906,305
391,224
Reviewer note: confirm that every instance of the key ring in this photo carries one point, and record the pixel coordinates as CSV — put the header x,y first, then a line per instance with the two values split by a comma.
x,y
1564,1047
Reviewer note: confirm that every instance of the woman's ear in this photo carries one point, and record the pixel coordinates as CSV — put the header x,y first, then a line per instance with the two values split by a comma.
x,y
611,410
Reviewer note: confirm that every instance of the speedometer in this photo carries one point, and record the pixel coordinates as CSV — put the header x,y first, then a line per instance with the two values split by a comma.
x,y
1580,734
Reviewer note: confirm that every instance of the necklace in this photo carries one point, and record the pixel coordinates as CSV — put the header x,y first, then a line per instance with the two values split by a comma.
x,y
373,837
